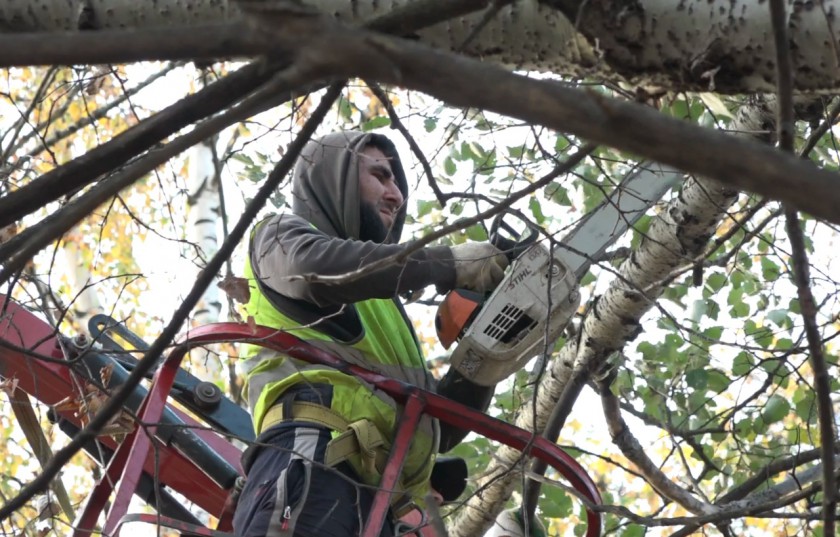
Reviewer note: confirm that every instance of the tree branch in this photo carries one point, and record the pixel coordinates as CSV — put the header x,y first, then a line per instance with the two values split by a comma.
x,y
106,157
630,447
205,278
96,115
17,251
737,162
400,258
822,380
801,268
631,127
412,143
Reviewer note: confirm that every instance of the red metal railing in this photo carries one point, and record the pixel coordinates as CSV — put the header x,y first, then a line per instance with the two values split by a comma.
x,y
21,333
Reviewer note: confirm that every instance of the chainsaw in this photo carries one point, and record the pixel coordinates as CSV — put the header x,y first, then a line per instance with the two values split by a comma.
x,y
527,312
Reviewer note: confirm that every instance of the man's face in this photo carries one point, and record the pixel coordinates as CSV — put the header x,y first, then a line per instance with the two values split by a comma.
x,y
378,187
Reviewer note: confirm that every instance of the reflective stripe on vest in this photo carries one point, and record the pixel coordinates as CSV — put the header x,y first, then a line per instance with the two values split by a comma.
x,y
388,346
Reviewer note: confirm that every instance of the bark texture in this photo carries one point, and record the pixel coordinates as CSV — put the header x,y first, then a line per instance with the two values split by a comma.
x,y
524,35
676,235
716,45
696,45
202,235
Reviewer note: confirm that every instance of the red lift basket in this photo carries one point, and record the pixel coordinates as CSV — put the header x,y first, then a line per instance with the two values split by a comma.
x,y
24,338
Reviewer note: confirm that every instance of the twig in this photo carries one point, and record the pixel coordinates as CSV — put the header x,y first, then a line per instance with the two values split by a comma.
x,y
96,115
28,421
784,77
822,380
49,76
412,143
630,447
83,170
412,247
801,272
22,247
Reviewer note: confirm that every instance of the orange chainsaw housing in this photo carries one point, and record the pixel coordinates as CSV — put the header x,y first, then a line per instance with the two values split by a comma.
x,y
455,313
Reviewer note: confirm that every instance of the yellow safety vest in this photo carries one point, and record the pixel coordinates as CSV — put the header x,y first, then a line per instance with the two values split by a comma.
x,y
388,346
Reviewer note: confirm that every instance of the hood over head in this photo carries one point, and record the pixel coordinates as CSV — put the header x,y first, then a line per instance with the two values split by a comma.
x,y
325,188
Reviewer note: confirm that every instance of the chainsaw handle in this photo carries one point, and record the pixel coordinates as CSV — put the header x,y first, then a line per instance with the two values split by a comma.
x,y
512,247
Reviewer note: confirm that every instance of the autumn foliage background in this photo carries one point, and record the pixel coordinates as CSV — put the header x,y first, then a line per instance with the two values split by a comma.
x,y
700,415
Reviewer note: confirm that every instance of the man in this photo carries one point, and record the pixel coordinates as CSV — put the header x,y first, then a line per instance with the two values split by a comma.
x,y
323,435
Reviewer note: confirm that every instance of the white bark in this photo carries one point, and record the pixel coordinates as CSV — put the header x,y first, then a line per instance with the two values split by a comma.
x,y
203,236
675,236
708,45
68,15
526,34
85,301
715,40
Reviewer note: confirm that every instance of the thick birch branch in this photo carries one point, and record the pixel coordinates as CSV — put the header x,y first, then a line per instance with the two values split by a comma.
x,y
677,45
338,52
680,232
524,34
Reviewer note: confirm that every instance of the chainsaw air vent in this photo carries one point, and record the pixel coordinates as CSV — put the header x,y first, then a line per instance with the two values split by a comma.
x,y
509,324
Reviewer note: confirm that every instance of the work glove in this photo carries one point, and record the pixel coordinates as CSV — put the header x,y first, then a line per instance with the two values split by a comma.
x,y
509,524
479,266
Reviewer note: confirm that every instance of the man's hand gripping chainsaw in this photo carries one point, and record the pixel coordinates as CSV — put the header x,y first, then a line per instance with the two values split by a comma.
x,y
539,295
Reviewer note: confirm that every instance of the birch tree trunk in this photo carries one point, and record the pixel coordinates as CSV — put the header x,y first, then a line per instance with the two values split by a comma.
x,y
202,234
695,45
676,235
85,303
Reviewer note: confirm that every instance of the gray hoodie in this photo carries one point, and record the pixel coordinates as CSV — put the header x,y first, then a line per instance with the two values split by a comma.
x,y
321,236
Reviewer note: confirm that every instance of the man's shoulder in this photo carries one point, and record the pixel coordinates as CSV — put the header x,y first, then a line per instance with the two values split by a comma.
x,y
279,228
282,222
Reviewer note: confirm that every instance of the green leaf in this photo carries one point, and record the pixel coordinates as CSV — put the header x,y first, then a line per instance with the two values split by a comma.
x,y
467,152
736,296
449,166
516,151
633,530
778,317
536,210
477,233
376,123
713,333
764,337
243,158
425,207
742,364
679,109
697,379
784,344
716,281
717,381
430,124
769,270
740,310
776,409
555,503
712,311
558,194
647,349
344,109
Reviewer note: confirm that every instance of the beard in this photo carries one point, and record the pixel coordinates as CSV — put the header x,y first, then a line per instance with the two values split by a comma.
x,y
371,226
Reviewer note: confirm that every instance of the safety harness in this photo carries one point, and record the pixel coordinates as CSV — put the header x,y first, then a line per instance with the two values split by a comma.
x,y
360,438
